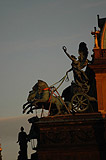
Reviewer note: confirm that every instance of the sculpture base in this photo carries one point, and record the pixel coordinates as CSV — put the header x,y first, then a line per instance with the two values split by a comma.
x,y
78,137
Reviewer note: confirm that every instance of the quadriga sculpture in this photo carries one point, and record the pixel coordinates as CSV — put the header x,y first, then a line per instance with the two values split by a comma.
x,y
79,97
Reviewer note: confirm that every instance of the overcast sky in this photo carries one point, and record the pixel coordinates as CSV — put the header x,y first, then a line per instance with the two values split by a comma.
x,y
32,33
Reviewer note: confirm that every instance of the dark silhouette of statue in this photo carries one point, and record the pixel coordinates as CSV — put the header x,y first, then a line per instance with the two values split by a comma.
x,y
22,140
77,65
84,83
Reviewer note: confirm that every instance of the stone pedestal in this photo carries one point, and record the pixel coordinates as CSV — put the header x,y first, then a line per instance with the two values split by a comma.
x,y
78,137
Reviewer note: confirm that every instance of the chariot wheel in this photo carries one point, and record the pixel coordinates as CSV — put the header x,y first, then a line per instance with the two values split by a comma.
x,y
80,102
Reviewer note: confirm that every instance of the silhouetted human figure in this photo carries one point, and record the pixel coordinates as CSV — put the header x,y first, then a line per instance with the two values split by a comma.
x,y
22,140
84,78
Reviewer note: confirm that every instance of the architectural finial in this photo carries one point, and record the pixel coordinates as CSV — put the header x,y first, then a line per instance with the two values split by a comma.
x,y
95,33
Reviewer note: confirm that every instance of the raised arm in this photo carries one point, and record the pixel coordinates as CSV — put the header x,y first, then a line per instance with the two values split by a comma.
x,y
65,50
72,57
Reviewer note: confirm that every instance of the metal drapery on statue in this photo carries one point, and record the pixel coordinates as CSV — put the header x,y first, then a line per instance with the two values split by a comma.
x,y
78,97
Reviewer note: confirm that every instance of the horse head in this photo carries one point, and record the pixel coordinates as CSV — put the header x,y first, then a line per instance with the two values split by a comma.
x,y
37,89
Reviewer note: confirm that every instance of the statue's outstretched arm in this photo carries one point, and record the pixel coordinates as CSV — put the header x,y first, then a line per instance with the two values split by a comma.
x,y
65,50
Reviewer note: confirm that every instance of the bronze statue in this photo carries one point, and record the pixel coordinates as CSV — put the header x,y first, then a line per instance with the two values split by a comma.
x,y
77,65
78,92
77,97
42,93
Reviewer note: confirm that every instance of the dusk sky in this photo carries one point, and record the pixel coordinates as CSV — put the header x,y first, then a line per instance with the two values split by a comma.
x,y
32,33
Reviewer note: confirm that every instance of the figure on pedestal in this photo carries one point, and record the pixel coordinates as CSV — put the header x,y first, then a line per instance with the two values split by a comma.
x,y
22,140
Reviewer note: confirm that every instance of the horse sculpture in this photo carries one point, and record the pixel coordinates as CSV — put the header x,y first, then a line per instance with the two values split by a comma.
x,y
42,94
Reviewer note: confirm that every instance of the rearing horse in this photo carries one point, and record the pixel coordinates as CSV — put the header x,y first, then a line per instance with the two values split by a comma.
x,y
41,93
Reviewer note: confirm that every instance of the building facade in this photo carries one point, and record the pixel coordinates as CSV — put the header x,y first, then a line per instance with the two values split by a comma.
x,y
99,62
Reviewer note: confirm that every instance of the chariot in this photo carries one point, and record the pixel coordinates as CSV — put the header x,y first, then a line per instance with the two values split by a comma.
x,y
78,97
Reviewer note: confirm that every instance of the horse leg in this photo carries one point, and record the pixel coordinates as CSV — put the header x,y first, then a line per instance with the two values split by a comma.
x,y
59,109
25,104
24,110
33,103
33,106
31,109
58,104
